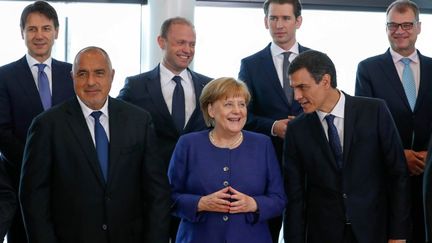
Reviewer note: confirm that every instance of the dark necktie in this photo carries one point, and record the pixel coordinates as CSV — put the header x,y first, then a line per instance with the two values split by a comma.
x,y
102,144
334,140
408,82
286,83
43,86
178,104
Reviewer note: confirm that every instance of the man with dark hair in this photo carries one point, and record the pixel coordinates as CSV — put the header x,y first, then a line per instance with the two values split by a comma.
x,y
345,172
91,173
265,73
29,86
402,77
170,92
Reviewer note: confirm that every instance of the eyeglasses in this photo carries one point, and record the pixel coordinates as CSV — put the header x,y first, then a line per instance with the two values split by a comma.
x,y
405,26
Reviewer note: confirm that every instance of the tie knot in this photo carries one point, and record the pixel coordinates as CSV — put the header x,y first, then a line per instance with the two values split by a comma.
x,y
329,118
406,61
286,54
96,115
40,66
177,79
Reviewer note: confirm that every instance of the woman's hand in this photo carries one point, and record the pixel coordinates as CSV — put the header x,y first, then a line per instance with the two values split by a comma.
x,y
215,202
241,203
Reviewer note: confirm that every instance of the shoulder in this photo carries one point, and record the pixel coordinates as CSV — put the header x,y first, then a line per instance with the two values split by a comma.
x,y
61,64
142,77
195,138
200,77
255,137
11,67
365,103
260,54
426,59
131,110
374,59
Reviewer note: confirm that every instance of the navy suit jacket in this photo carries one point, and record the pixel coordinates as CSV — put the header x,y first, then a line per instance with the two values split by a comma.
x,y
268,102
144,90
427,194
371,190
377,77
20,103
63,195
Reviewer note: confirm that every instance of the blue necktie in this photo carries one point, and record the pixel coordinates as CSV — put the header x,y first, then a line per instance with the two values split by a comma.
x,y
334,140
178,104
408,82
102,144
43,86
286,83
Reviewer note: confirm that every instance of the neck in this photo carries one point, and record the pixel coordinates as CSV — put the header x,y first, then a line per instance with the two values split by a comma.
x,y
332,100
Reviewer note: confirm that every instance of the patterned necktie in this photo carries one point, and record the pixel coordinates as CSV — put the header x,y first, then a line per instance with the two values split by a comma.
x,y
178,104
334,140
408,82
43,86
286,83
102,144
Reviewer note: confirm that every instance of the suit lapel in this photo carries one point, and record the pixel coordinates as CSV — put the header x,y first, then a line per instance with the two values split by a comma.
x,y
270,73
425,81
388,66
81,131
349,121
116,120
28,84
198,86
59,83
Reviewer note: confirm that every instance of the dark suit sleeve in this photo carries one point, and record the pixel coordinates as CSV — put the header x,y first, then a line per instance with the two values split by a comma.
x,y
294,181
11,147
125,92
8,201
35,184
427,194
157,191
363,86
397,175
254,123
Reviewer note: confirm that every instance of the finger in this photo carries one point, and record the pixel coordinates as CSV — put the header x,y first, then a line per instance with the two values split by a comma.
x,y
233,191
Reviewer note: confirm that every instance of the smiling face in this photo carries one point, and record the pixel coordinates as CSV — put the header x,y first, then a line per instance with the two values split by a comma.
x,y
92,75
403,41
39,34
229,114
282,24
178,47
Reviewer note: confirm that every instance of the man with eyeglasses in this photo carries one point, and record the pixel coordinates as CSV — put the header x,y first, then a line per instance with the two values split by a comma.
x,y
403,78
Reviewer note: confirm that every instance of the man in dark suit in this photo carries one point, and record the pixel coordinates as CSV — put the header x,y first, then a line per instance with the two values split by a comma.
x,y
427,195
272,105
73,189
345,172
26,91
154,90
8,201
382,77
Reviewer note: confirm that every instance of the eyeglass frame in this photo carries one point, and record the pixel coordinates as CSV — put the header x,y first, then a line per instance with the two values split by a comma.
x,y
392,26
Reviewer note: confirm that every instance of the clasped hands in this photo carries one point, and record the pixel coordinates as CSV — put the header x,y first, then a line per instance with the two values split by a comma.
x,y
227,200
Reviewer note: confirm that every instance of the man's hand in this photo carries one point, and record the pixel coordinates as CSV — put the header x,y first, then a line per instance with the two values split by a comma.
x,y
280,126
396,241
415,161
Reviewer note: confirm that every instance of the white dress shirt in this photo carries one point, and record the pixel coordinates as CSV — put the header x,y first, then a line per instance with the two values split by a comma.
x,y
168,86
277,55
91,121
34,69
339,113
414,64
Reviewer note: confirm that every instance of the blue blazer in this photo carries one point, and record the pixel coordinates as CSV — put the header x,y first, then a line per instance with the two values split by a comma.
x,y
268,102
20,103
371,191
144,90
198,168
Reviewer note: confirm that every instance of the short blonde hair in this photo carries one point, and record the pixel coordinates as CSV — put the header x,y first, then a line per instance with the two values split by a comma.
x,y
221,88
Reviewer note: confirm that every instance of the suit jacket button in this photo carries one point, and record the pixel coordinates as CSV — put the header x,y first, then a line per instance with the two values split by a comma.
x,y
226,168
225,218
104,227
226,183
345,196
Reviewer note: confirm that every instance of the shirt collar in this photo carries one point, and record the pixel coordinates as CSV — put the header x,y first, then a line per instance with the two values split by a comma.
x,y
165,72
397,57
338,110
32,61
277,50
87,111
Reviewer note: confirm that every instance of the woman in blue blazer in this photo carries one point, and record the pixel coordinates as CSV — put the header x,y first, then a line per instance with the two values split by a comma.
x,y
226,183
